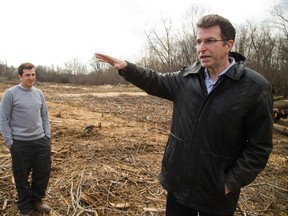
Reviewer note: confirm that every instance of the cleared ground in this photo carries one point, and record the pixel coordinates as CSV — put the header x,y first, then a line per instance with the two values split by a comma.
x,y
107,147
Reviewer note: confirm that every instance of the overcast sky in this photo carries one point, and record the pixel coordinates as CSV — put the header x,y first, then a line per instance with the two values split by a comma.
x,y
47,32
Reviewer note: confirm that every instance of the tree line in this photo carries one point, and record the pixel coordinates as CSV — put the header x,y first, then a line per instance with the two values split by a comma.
x,y
264,44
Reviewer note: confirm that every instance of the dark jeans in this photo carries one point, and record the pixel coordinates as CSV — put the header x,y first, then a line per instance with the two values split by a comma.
x,y
31,156
173,208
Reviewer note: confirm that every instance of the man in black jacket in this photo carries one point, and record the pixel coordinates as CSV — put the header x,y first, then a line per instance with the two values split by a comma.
x,y
221,131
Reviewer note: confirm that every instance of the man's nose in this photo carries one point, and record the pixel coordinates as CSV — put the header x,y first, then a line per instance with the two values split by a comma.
x,y
201,46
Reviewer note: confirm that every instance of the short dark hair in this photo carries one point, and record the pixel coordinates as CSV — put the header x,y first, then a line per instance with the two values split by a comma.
x,y
227,30
23,66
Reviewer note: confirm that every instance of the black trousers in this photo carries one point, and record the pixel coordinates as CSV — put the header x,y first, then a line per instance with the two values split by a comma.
x,y
173,208
31,157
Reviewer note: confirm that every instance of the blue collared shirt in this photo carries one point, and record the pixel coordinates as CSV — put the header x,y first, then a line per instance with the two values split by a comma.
x,y
209,82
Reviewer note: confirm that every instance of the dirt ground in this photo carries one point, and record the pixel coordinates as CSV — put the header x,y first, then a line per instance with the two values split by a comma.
x,y
107,146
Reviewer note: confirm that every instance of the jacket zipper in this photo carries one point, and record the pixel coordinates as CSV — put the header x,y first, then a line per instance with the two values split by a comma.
x,y
208,96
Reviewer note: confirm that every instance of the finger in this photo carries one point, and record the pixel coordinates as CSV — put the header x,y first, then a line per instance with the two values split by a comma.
x,y
101,60
102,56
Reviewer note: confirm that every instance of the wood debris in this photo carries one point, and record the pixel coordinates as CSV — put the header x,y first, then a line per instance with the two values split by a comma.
x,y
113,169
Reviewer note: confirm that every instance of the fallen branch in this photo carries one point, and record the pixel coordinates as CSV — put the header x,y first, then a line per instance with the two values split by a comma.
x,y
76,200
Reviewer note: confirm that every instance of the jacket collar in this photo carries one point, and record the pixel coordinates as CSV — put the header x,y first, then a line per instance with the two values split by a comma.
x,y
235,72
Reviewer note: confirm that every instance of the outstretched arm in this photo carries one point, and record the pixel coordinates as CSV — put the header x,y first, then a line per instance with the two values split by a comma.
x,y
114,62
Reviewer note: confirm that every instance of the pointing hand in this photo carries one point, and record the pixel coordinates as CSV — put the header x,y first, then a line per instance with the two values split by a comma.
x,y
114,62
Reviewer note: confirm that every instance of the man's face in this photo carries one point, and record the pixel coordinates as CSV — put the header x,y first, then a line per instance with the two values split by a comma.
x,y
212,51
28,78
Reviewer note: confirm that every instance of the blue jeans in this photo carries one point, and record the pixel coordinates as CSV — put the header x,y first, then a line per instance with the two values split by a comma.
x,y
31,157
173,208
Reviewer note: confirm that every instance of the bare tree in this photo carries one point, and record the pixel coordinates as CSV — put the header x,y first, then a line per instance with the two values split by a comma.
x,y
75,67
98,67
186,43
169,50
162,46
280,26
280,14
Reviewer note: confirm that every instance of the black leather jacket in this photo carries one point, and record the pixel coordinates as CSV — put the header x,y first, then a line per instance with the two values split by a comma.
x,y
224,137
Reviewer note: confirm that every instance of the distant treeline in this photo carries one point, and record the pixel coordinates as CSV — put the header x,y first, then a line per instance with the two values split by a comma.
x,y
265,45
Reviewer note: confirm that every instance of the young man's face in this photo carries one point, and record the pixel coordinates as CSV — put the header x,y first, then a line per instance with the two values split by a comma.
x,y
28,78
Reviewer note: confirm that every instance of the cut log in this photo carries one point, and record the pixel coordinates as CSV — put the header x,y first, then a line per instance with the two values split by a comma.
x,y
281,129
284,111
280,113
281,104
276,98
283,122
275,112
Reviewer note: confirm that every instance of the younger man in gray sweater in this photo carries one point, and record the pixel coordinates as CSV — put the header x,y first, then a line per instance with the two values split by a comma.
x,y
25,127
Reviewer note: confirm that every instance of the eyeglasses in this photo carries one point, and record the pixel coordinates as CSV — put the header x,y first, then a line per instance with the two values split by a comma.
x,y
208,41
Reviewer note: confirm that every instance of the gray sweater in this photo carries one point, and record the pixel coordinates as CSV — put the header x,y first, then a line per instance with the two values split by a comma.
x,y
24,114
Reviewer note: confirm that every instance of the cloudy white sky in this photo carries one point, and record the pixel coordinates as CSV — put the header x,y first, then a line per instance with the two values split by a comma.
x,y
52,32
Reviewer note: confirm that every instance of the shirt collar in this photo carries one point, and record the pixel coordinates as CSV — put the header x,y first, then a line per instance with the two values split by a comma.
x,y
232,62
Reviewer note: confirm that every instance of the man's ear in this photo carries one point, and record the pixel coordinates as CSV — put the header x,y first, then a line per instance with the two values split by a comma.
x,y
230,44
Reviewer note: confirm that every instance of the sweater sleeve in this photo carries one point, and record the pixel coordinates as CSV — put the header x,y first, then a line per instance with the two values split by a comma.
x,y
5,116
45,117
